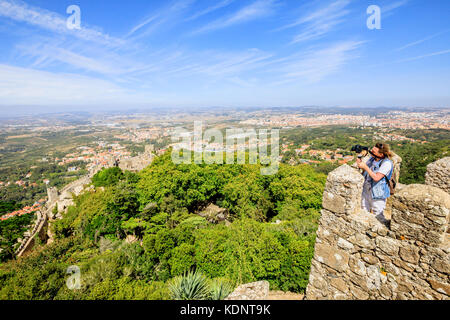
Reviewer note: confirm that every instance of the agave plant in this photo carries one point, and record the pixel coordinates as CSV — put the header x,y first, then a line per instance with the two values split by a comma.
x,y
220,289
192,285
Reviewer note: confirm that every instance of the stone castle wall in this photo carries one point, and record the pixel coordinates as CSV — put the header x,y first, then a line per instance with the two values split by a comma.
x,y
64,198
438,174
29,239
139,162
358,257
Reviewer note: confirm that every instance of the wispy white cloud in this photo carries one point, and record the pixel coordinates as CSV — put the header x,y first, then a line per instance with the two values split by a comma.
x,y
220,5
423,56
165,16
320,21
256,10
210,64
50,54
28,86
142,24
387,9
421,40
314,65
438,53
20,11
243,67
112,71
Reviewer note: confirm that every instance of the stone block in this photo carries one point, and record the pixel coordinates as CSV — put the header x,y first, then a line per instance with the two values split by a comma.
x,y
343,190
404,285
387,245
339,284
357,266
362,241
334,203
438,174
421,212
317,282
325,235
440,287
442,265
404,265
314,294
386,291
360,281
359,294
370,259
410,254
250,291
375,278
344,244
334,258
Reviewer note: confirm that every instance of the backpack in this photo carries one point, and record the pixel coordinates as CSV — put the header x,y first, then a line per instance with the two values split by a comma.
x,y
390,182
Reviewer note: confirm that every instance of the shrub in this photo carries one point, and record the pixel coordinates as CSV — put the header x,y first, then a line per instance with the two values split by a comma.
x,y
220,289
182,259
193,285
107,177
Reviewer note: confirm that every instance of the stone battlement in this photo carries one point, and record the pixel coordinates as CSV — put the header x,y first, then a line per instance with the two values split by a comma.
x,y
358,257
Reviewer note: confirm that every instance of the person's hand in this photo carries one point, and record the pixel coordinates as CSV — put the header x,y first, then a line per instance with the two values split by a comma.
x,y
361,164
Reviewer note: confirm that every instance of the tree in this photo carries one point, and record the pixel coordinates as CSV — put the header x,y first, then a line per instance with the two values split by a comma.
x,y
107,177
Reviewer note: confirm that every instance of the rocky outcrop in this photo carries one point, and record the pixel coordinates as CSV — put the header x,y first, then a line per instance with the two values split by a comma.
x,y
139,162
214,214
358,257
250,291
438,174
260,291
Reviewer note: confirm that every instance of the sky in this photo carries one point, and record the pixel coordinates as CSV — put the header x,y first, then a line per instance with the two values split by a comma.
x,y
237,53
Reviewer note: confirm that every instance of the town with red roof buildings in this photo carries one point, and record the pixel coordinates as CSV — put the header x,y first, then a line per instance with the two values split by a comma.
x,y
28,209
142,129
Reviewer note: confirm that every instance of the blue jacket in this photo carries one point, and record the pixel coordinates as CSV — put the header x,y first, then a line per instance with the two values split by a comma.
x,y
380,189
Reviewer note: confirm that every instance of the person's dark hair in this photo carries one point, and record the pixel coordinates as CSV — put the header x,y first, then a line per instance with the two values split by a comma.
x,y
384,149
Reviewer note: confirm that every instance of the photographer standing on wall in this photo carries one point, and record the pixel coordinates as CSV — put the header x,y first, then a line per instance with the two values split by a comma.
x,y
377,173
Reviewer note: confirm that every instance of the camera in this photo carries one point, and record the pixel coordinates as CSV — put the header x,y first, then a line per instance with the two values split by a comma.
x,y
359,149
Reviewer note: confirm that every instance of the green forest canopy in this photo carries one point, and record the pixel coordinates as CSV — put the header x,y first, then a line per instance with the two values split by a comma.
x,y
158,207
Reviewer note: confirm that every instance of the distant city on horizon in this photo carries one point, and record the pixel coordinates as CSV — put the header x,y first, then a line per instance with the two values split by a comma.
x,y
27,111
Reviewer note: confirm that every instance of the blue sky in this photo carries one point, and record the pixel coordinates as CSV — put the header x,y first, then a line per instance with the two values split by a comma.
x,y
225,53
